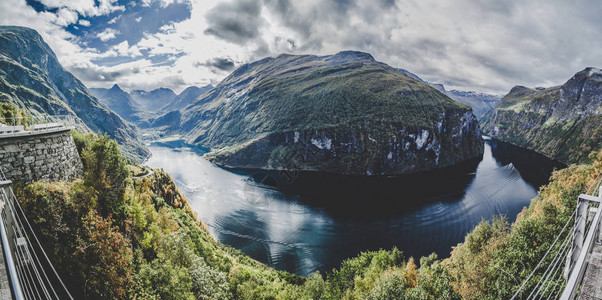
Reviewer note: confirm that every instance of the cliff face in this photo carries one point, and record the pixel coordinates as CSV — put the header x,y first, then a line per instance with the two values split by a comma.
x,y
562,122
32,79
345,113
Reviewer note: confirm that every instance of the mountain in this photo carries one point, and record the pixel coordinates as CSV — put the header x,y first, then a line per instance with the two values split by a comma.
x,y
344,113
119,101
562,122
479,102
32,78
186,97
154,100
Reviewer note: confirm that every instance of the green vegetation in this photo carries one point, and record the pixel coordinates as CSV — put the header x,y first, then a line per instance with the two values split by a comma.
x,y
111,235
12,116
561,122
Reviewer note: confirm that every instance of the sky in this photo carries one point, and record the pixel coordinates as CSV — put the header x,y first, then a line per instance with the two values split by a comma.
x,y
481,45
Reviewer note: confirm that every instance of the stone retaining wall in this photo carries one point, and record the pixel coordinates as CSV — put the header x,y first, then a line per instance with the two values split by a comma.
x,y
49,155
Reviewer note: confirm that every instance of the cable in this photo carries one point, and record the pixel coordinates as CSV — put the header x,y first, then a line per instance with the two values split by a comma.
x,y
542,259
42,249
554,259
23,255
29,243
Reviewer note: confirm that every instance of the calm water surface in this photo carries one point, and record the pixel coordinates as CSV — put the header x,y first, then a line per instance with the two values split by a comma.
x,y
313,221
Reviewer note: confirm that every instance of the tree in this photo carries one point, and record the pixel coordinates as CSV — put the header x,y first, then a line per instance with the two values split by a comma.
x,y
106,172
105,258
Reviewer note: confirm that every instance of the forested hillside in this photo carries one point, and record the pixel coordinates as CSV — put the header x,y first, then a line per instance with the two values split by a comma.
x,y
119,234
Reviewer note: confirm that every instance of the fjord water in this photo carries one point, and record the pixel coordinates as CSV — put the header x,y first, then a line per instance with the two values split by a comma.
x,y
313,221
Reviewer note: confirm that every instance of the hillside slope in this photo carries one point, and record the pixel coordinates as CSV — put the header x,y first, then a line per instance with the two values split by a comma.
x,y
344,113
563,122
32,79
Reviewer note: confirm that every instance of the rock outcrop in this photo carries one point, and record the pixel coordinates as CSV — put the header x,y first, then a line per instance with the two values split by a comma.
x,y
562,122
344,113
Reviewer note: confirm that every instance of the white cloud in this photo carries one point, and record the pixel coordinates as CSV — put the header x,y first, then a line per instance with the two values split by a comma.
x,y
467,44
138,19
85,7
84,23
107,34
124,49
114,20
65,17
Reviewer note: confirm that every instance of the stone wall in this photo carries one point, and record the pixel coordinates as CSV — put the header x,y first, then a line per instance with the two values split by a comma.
x,y
49,155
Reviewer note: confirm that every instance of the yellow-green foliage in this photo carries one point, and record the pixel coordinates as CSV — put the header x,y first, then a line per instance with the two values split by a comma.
x,y
160,250
12,115
495,258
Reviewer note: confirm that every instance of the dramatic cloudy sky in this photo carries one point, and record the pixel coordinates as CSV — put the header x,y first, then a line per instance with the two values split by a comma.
x,y
480,45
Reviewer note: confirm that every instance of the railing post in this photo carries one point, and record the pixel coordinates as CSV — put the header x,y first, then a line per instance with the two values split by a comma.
x,y
579,232
6,221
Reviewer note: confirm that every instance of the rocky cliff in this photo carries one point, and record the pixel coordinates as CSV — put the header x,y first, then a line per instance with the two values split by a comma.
x,y
344,113
562,122
32,79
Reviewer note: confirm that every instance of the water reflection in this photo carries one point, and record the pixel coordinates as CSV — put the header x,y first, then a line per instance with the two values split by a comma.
x,y
313,221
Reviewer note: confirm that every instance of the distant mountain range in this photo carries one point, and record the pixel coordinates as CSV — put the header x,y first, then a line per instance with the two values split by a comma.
x,y
563,122
154,100
120,102
32,79
186,97
481,103
123,103
344,113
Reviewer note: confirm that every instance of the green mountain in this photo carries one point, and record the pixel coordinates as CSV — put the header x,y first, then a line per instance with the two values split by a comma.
x,y
344,113
563,122
32,78
480,103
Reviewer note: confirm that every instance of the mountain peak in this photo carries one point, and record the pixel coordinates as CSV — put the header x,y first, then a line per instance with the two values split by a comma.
x,y
355,54
116,87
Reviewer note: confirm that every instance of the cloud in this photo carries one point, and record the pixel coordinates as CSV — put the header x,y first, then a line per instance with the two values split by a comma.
x,y
236,22
138,19
124,49
477,45
114,20
84,23
221,63
85,7
107,34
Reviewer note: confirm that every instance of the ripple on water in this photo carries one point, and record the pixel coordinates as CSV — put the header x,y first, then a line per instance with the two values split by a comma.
x,y
304,232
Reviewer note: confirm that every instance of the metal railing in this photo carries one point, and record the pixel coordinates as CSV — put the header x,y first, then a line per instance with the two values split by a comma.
x,y
586,233
30,124
564,263
31,274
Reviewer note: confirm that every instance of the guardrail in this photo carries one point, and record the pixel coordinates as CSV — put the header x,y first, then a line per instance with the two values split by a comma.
x,y
21,125
568,251
577,259
31,274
